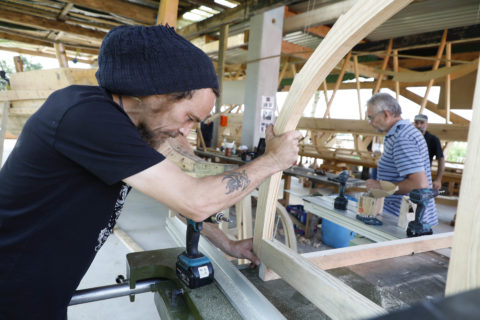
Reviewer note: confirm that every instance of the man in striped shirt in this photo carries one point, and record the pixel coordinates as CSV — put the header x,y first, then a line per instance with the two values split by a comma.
x,y
405,160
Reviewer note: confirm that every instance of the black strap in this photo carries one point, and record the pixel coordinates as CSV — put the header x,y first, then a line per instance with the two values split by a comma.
x,y
121,101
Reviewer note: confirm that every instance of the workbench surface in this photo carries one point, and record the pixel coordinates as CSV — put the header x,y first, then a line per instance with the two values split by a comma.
x,y
322,206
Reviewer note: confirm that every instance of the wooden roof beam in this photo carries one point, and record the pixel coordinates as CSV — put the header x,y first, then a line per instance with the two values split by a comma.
x,y
445,132
295,50
42,54
323,15
46,42
46,24
122,8
62,16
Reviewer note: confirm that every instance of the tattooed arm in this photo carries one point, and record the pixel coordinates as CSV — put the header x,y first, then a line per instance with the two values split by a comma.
x,y
197,199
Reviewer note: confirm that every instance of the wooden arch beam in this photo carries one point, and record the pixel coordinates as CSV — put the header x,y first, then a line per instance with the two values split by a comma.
x,y
328,293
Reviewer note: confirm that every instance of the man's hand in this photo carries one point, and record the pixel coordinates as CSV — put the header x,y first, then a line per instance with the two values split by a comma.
x,y
243,249
437,184
283,149
372,184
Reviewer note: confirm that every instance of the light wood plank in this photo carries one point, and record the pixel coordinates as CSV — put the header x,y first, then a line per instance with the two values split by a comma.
x,y
3,127
167,13
122,8
448,82
61,55
436,64
18,95
450,132
348,256
463,270
384,66
47,24
357,84
395,68
336,258
332,296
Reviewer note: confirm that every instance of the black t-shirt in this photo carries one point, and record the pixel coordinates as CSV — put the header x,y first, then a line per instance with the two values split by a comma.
x,y
61,191
434,146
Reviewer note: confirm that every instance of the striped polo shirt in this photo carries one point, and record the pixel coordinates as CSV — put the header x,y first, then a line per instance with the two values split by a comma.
x,y
405,152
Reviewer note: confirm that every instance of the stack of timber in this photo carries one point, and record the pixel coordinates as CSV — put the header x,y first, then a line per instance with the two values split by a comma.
x,y
30,89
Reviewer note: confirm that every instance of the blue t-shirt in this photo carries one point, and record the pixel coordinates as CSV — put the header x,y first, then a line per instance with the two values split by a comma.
x,y
405,152
61,191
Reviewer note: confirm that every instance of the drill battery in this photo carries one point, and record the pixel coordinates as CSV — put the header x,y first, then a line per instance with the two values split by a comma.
x,y
194,272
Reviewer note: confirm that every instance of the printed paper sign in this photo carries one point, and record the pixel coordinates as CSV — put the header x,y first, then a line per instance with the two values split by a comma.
x,y
267,114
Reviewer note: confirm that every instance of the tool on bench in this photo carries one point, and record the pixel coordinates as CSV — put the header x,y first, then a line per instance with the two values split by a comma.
x,y
420,197
192,267
341,201
370,220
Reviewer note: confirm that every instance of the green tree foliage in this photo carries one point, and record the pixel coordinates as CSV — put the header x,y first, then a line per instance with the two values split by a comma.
x,y
457,152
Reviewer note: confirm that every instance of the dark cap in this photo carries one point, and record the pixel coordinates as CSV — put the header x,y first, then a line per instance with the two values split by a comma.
x,y
142,61
421,117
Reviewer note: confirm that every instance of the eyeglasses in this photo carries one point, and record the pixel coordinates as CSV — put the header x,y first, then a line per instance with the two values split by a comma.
x,y
371,117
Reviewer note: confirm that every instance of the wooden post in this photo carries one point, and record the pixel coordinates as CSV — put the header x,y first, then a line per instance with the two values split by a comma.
x,y
325,91
448,82
355,66
436,64
293,68
465,258
395,68
337,85
167,13
200,137
384,67
282,72
17,60
3,128
222,48
61,55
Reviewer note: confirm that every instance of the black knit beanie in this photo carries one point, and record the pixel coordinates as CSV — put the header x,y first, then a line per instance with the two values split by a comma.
x,y
142,61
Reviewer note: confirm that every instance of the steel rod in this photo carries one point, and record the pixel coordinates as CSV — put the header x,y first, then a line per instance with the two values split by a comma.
x,y
112,291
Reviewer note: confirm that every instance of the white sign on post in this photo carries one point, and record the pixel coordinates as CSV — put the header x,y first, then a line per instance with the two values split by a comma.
x,y
267,113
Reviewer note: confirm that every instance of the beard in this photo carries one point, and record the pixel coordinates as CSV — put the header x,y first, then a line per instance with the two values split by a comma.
x,y
152,139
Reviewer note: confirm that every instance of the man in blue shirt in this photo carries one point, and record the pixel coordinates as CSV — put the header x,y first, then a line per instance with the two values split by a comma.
x,y
405,160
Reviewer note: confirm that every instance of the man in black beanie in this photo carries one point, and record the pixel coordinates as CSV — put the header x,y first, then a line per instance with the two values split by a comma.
x,y
65,182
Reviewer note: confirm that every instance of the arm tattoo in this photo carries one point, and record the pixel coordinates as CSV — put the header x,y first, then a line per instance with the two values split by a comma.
x,y
236,181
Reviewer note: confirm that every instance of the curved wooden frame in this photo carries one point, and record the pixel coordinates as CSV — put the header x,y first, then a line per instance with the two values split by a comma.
x,y
333,297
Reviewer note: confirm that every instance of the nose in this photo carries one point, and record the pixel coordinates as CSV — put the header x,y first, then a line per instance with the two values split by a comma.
x,y
185,130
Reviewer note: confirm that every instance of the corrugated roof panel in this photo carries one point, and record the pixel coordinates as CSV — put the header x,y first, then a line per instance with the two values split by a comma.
x,y
303,39
428,16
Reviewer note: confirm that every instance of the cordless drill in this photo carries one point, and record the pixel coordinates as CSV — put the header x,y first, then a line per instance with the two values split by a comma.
x,y
193,268
341,201
421,197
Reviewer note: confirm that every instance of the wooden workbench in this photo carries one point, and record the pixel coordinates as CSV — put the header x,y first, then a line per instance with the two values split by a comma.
x,y
322,206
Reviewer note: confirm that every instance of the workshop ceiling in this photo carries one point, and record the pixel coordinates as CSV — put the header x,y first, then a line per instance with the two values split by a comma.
x,y
32,26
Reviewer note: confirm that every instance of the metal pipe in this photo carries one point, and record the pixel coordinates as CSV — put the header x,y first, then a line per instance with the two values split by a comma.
x,y
112,291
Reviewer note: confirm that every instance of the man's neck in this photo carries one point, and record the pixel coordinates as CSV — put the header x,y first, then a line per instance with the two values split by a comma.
x,y
394,121
129,105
